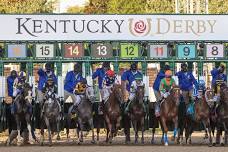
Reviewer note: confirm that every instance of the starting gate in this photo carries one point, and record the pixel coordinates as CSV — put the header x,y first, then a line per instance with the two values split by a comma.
x,y
29,40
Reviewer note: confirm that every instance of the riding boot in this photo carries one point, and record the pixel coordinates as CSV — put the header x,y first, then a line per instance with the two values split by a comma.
x,y
127,109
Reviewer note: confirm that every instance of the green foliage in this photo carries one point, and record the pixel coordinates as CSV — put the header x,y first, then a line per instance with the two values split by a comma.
x,y
96,7
26,6
218,6
127,7
75,9
161,6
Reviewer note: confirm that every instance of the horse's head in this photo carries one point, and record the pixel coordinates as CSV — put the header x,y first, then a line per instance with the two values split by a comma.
x,y
175,93
90,94
118,92
209,95
140,94
224,94
27,92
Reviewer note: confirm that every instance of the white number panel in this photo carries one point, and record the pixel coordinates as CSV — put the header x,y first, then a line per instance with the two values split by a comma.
x,y
45,50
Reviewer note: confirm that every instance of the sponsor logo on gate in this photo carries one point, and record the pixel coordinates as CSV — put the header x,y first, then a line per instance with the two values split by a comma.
x,y
139,27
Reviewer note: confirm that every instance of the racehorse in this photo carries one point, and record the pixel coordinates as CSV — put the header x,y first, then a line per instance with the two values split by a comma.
x,y
137,113
169,112
84,114
222,114
201,114
112,112
51,115
22,105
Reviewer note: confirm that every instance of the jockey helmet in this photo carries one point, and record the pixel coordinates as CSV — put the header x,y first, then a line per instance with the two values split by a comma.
x,y
22,76
138,77
134,67
110,73
168,73
80,87
50,81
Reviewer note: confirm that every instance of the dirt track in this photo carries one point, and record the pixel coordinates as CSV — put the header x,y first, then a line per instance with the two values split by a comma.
x,y
199,145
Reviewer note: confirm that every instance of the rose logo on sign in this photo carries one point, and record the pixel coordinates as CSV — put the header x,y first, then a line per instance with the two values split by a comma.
x,y
139,27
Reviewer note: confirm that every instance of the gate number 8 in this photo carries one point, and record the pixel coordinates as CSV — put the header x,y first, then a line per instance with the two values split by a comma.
x,y
214,50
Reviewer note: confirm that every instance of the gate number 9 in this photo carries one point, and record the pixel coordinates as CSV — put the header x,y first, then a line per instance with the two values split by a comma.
x,y
186,51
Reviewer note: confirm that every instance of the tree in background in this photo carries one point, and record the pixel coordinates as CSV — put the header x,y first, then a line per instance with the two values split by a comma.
x,y
76,9
161,6
26,6
96,7
218,6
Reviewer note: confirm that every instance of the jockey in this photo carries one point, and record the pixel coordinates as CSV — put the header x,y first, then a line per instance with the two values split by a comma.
x,y
79,92
100,74
134,85
43,77
18,83
218,77
10,82
166,85
129,76
186,81
160,76
108,82
71,80
52,87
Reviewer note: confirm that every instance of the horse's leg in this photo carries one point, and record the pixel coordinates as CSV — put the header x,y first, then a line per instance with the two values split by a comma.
x,y
165,131
153,132
28,120
19,140
42,132
127,125
92,128
223,134
207,127
134,123
142,125
118,123
175,131
109,129
49,130
81,130
58,127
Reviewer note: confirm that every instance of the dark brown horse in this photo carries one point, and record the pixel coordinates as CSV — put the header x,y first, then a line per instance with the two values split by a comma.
x,y
201,114
222,114
169,112
137,113
112,112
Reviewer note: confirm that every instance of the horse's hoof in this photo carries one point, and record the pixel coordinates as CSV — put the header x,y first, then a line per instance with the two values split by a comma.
x,y
166,144
210,145
152,141
50,145
93,142
58,138
222,144
172,138
213,144
136,141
